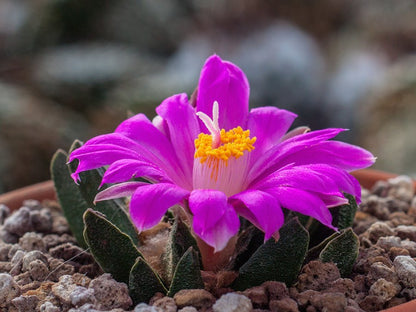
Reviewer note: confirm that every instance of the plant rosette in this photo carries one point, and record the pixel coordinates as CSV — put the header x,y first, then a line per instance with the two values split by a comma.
x,y
235,189
239,191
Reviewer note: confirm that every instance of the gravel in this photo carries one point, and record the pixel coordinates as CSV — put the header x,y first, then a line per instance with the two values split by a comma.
x,y
43,269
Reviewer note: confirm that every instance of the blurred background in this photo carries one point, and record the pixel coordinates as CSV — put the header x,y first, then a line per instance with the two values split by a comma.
x,y
76,68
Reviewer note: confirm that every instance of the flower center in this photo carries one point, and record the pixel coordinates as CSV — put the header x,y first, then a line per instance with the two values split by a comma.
x,y
220,158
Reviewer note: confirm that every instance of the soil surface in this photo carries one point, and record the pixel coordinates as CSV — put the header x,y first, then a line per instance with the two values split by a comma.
x,y
43,269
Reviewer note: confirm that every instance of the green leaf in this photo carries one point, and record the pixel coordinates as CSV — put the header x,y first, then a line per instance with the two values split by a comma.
x,y
180,239
276,261
69,196
249,240
113,250
314,252
343,251
144,282
187,274
344,215
115,209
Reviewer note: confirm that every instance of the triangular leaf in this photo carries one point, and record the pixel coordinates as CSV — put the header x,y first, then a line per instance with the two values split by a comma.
x,y
144,282
343,251
113,250
180,239
187,274
276,261
115,209
69,196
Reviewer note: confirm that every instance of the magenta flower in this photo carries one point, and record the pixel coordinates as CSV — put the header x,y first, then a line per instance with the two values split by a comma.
x,y
222,161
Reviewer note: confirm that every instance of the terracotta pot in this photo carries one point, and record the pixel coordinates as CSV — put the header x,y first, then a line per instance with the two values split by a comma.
x,y
45,190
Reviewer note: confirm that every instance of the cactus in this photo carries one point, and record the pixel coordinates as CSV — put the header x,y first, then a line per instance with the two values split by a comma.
x,y
106,230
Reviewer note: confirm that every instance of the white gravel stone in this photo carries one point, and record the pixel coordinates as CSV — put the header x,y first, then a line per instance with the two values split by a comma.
x,y
233,302
406,270
143,307
8,289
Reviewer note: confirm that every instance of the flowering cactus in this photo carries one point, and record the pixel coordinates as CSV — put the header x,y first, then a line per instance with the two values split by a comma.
x,y
219,161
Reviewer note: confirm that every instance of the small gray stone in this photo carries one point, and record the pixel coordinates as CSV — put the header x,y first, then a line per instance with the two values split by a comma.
x,y
143,307
26,303
4,251
81,295
384,289
49,307
19,222
410,246
387,242
8,237
166,304
32,256
232,302
64,288
38,270
109,293
188,309
401,187
409,293
406,270
406,231
8,289
380,270
379,229
41,220
32,241
198,298
17,262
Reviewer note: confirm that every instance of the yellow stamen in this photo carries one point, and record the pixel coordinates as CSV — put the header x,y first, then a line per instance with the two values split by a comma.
x,y
233,144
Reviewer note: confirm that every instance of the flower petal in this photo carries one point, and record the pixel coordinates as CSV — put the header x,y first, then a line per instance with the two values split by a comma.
x,y
117,191
215,220
225,83
304,202
268,125
271,160
261,209
139,129
150,202
183,127
126,169
334,153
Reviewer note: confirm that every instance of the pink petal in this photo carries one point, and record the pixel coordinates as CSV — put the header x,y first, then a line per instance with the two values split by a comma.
x,y
227,84
271,160
151,201
183,126
126,169
117,191
215,220
304,202
268,125
261,209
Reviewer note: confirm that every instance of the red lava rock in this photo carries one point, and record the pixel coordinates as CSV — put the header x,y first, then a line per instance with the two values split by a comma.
x,y
317,275
344,286
334,302
258,296
398,251
276,290
371,303
284,305
198,298
166,304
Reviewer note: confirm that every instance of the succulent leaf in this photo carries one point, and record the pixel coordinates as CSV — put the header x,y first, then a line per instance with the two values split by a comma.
x,y
115,210
343,251
187,274
277,261
344,215
144,282
180,240
113,250
69,196
249,240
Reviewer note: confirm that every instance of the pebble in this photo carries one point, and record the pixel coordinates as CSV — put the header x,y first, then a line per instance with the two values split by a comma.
x,y
8,289
166,304
283,305
406,270
401,187
406,232
317,275
42,220
388,242
258,296
198,298
49,307
109,293
32,256
410,246
81,295
379,229
334,302
64,288
188,309
379,270
233,302
26,303
32,241
384,289
19,222
143,307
